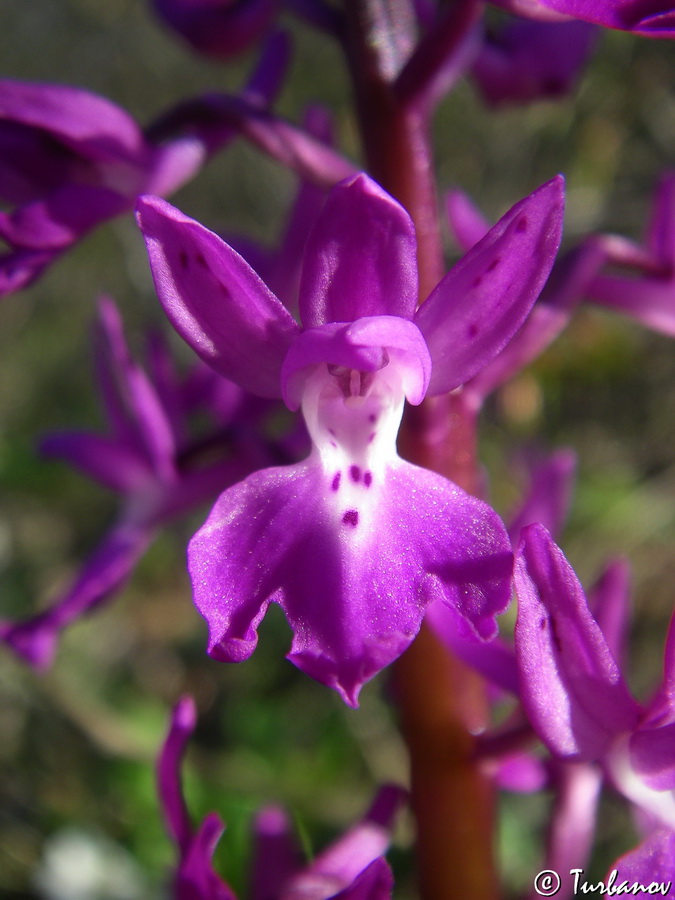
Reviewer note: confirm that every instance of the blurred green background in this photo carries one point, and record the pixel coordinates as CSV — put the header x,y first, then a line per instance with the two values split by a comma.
x,y
77,745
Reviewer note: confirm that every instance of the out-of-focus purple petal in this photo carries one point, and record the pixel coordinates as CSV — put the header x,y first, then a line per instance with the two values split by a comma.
x,y
650,301
89,124
60,218
652,754
573,820
218,28
275,854
340,869
360,258
353,581
376,882
548,497
653,861
562,293
609,599
134,409
529,60
571,686
103,574
175,163
19,269
194,877
521,773
359,345
215,300
467,222
660,235
494,659
481,303
168,771
106,460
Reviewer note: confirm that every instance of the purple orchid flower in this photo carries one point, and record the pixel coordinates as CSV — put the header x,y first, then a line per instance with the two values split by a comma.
x,y
649,18
354,542
148,459
572,686
646,292
528,60
70,160
351,868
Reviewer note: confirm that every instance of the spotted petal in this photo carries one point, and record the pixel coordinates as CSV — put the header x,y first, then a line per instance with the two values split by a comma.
x,y
353,560
484,299
215,300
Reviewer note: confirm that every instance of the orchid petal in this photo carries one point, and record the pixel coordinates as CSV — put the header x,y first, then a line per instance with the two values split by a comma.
x,y
169,787
275,854
88,123
360,258
104,573
651,862
353,566
215,300
652,755
484,299
339,870
110,462
61,218
549,494
571,687
494,659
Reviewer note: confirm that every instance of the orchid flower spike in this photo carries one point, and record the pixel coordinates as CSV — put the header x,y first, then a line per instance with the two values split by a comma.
x,y
353,543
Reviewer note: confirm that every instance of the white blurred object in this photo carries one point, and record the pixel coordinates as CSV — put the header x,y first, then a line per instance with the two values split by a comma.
x,y
76,865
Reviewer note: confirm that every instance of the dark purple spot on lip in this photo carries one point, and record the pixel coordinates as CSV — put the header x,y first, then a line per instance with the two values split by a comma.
x,y
330,431
336,481
351,517
522,223
202,262
368,479
355,474
472,330
333,444
372,418
225,290
477,280
371,437
184,259
493,265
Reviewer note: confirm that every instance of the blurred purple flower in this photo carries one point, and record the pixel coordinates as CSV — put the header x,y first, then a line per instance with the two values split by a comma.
x,y
526,60
646,292
149,459
354,542
649,18
220,28
70,160
351,868
572,686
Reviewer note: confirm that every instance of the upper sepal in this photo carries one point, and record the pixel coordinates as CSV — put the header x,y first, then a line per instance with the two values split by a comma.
x,y
360,258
